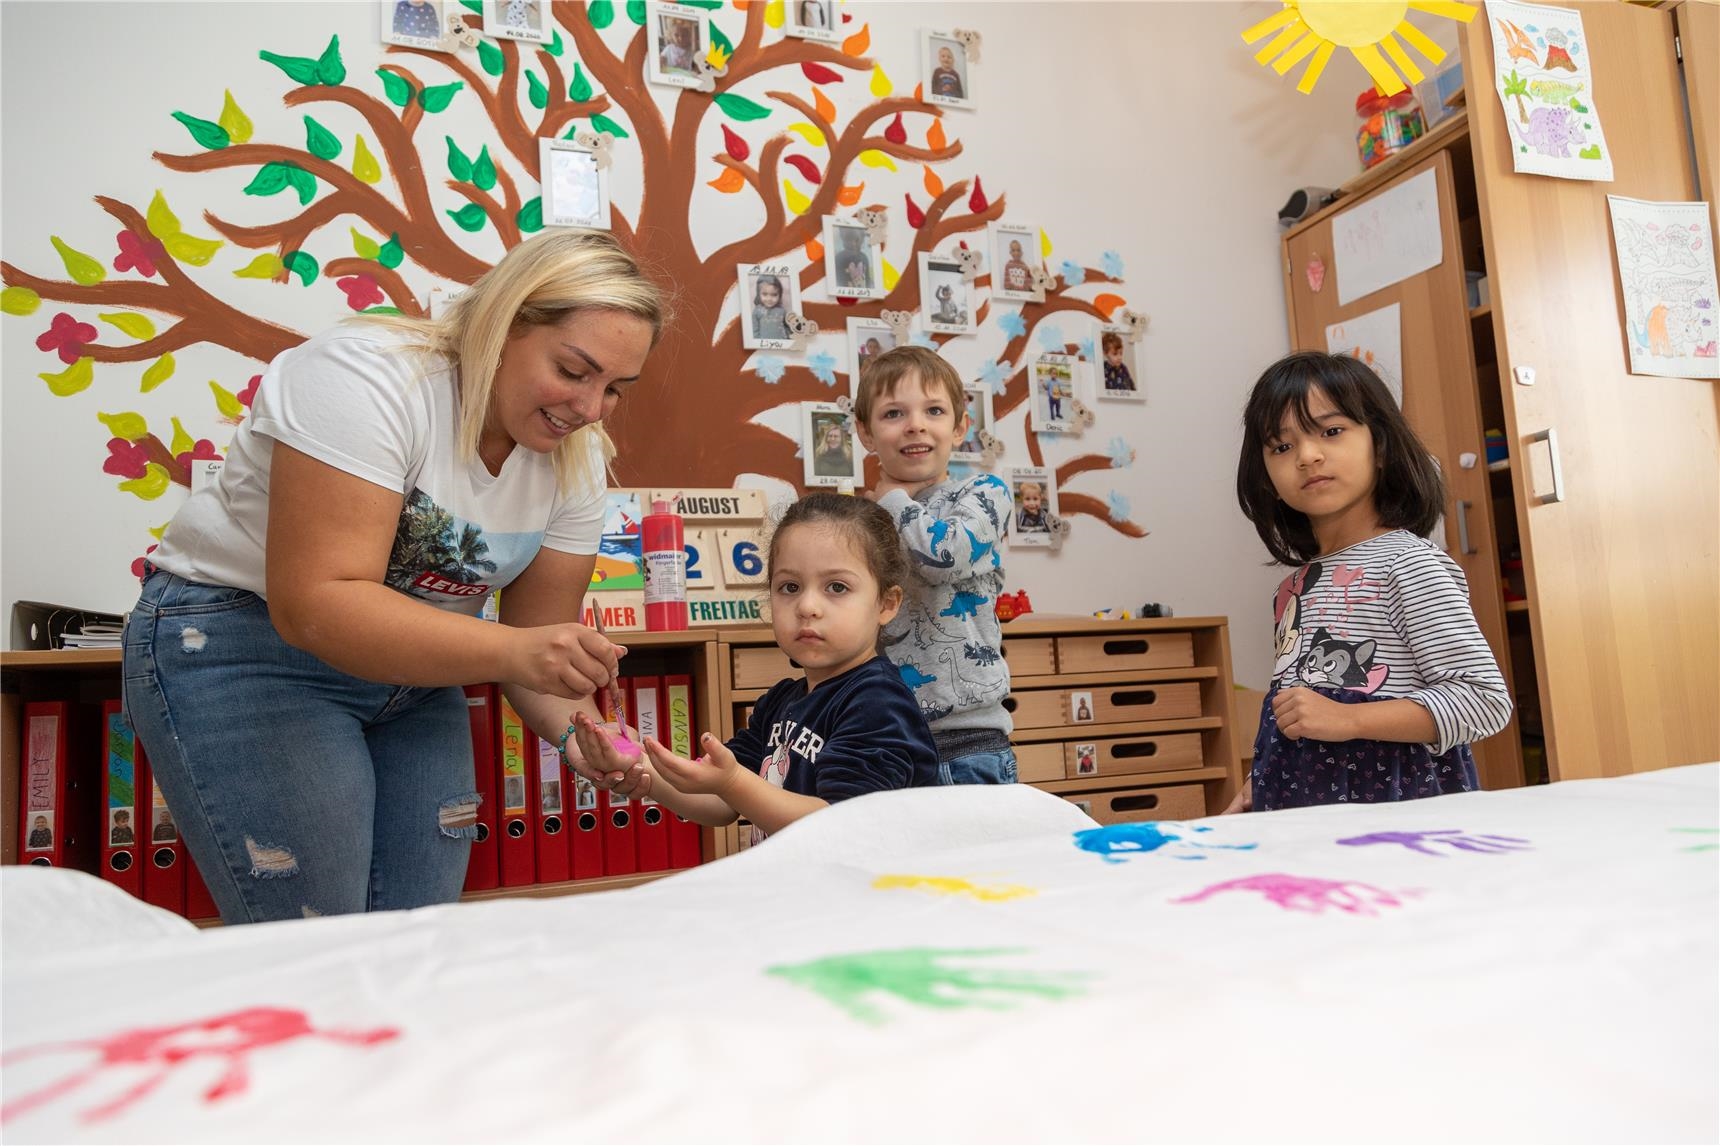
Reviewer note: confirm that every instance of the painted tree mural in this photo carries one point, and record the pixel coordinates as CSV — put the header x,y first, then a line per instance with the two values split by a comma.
x,y
357,208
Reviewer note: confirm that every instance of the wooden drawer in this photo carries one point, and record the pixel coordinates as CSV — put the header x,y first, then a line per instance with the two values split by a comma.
x,y
1132,755
1125,652
1113,704
760,667
1127,805
1038,763
1030,656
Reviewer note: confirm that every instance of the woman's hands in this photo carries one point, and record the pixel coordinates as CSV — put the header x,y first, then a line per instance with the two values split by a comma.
x,y
600,753
567,660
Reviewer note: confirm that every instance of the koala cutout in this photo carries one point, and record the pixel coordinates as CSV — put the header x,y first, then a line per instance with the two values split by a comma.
x,y
1043,280
800,328
845,403
990,448
709,73
876,222
1080,414
461,32
1059,527
970,260
970,41
599,144
900,322
1136,324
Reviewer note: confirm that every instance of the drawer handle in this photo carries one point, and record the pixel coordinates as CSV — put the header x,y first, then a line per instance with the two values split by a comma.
x,y
1140,696
1125,648
1150,748
1144,803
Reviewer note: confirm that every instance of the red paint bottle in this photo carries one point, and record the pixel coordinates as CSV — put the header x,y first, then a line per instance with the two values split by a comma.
x,y
663,547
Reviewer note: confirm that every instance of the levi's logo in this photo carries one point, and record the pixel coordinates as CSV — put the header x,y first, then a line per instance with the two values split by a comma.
x,y
436,583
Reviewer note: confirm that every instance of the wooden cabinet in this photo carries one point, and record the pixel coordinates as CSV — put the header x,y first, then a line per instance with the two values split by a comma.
x,y
1131,720
1610,496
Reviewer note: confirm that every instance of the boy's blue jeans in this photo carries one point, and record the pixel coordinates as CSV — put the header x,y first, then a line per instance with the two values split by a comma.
x,y
298,789
979,768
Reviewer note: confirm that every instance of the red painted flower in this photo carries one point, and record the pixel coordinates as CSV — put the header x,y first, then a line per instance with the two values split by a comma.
x,y
139,567
204,450
137,254
126,459
361,291
250,390
68,336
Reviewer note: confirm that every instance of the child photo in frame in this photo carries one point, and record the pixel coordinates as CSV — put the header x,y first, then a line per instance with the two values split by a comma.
x,y
769,293
1015,254
1051,384
677,40
867,338
812,20
827,445
413,24
517,20
1119,369
1035,499
978,419
1086,760
575,189
853,265
944,71
946,301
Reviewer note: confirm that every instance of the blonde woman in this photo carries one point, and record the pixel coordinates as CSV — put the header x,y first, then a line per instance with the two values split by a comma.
x,y
293,665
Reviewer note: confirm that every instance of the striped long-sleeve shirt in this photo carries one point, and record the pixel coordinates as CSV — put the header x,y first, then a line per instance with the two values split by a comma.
x,y
1390,618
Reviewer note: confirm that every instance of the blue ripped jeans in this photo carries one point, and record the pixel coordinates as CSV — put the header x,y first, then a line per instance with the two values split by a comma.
x,y
299,790
979,768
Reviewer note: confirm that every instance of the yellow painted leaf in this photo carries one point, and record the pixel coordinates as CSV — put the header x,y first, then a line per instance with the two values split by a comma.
x,y
935,135
365,168
19,300
797,202
151,485
183,443
773,14
729,181
1044,244
826,110
849,196
1106,303
891,276
157,531
159,371
163,223
227,402
807,132
875,158
129,425
934,185
73,378
265,266
135,325
83,270
814,250
191,249
881,85
857,44
236,122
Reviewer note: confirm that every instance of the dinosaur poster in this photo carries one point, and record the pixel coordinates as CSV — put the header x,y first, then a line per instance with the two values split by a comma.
x,y
1666,278
1542,77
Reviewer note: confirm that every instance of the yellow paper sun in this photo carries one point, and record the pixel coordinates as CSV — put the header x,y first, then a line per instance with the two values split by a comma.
x,y
1320,27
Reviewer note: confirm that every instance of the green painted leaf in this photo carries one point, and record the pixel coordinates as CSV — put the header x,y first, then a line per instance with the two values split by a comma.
x,y
740,107
396,87
191,249
707,5
301,263
303,182
135,325
330,70
438,98
490,57
390,254
459,166
484,170
83,270
554,47
299,69
604,124
580,89
602,14
530,217
320,141
471,217
364,246
572,129
475,5
270,179
159,371
210,135
721,40
380,310
536,91
636,11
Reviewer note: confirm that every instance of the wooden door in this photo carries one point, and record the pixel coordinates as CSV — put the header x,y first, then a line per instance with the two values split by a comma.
x,y
1698,23
1440,401
1624,571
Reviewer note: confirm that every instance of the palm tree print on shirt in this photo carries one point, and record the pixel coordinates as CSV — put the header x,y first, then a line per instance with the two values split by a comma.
x,y
434,550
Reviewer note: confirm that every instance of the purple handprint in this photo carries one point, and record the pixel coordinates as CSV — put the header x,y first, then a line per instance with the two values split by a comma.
x,y
1299,893
1451,837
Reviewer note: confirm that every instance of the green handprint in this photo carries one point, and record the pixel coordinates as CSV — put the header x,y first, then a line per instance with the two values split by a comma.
x,y
919,975
1707,847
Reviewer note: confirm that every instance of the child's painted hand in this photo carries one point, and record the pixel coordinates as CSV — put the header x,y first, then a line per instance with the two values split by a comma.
x,y
711,774
1243,801
599,752
1303,713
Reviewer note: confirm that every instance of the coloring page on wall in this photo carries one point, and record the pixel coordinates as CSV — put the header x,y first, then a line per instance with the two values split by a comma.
x,y
1542,78
1387,239
946,77
1035,497
1014,257
677,41
575,188
946,301
853,264
970,449
517,20
769,293
867,338
1666,275
1119,365
812,20
1052,381
827,445
413,24
1377,339
620,560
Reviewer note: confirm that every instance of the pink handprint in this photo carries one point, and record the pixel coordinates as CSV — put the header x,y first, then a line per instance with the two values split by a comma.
x,y
1300,893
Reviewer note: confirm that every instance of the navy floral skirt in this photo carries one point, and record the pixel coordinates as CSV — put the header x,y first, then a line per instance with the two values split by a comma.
x,y
1296,773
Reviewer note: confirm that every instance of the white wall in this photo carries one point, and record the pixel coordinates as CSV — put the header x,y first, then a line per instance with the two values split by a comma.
x,y
1146,128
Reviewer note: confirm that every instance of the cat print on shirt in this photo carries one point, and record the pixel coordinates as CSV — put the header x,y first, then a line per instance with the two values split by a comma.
x,y
1336,663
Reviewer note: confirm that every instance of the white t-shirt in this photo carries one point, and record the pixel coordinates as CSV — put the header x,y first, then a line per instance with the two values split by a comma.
x,y
359,399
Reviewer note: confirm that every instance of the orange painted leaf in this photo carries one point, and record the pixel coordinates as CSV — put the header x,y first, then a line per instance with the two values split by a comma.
x,y
1106,303
935,136
849,196
814,250
729,181
920,92
826,110
857,44
934,185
